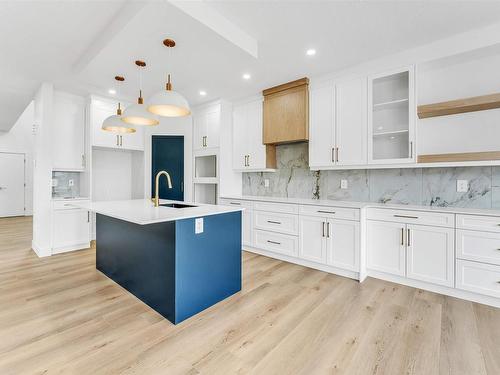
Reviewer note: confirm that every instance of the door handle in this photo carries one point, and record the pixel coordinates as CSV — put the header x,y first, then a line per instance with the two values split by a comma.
x,y
323,235
117,140
327,229
408,237
411,150
248,160
337,154
121,140
402,236
88,216
333,154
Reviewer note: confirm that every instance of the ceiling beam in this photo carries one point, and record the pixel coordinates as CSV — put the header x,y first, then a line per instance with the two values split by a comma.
x,y
208,16
105,35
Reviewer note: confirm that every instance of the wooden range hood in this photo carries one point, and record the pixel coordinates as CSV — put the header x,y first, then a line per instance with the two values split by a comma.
x,y
286,113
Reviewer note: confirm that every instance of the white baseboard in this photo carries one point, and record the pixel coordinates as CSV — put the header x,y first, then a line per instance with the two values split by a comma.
x,y
452,292
41,252
305,263
65,249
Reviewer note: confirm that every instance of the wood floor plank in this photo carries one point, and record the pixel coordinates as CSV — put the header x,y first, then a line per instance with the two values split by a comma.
x,y
59,315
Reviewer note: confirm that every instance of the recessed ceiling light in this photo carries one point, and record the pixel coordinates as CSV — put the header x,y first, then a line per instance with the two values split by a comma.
x,y
112,91
311,52
393,137
246,76
203,93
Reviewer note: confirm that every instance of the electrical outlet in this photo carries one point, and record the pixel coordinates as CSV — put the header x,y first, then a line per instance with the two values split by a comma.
x,y
344,184
198,225
462,186
266,182
71,182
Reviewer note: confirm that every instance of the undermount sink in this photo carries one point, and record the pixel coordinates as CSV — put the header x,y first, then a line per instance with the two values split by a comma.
x,y
176,205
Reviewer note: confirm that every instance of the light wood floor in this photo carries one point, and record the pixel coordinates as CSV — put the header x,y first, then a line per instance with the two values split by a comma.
x,y
59,315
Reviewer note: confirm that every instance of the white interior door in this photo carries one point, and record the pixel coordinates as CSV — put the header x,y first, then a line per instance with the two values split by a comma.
x,y
11,184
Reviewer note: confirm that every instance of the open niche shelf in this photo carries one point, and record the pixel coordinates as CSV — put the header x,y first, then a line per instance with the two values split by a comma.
x,y
476,103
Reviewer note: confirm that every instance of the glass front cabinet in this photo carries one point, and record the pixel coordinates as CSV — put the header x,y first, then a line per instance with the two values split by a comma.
x,y
391,117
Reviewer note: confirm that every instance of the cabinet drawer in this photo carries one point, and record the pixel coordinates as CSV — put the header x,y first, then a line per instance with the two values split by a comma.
x,y
330,212
277,242
412,217
478,246
478,278
276,222
474,222
67,205
277,207
236,202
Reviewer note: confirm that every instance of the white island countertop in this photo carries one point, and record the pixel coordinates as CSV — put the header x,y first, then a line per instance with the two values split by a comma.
x,y
143,211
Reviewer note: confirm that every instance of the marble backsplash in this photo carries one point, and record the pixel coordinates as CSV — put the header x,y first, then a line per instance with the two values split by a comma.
x,y
419,186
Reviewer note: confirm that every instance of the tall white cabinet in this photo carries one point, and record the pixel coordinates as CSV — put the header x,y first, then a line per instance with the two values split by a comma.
x,y
249,154
68,132
207,127
338,124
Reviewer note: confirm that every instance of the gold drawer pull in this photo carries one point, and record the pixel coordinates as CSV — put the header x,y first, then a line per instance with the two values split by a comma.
x,y
408,217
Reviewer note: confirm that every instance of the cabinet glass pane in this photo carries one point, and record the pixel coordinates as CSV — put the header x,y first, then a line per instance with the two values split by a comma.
x,y
390,117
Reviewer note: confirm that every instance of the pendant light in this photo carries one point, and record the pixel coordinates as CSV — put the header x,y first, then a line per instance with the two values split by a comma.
x,y
169,103
137,114
114,123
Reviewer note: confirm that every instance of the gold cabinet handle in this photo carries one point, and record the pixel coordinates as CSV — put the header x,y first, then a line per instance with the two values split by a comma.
x,y
337,154
408,239
248,158
323,235
402,236
117,141
327,229
333,154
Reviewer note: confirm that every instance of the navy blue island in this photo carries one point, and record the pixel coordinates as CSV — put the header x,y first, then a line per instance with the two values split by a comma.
x,y
178,259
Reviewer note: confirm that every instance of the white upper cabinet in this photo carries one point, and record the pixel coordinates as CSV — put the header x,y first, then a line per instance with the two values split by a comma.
x,y
322,126
99,111
68,147
338,124
249,154
351,122
391,117
207,127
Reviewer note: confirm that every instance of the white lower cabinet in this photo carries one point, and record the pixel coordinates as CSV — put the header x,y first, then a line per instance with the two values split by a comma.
x,y
386,247
313,241
478,277
419,252
71,229
430,254
246,224
343,249
329,241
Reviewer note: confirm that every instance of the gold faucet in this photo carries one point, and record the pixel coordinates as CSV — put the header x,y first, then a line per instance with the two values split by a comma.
x,y
156,199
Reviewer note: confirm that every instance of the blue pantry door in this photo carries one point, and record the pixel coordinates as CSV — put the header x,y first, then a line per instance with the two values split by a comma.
x,y
167,154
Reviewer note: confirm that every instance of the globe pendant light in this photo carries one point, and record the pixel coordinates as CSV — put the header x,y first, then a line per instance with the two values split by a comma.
x,y
137,114
114,123
168,103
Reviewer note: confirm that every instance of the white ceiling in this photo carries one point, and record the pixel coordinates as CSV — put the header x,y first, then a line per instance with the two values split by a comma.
x,y
81,46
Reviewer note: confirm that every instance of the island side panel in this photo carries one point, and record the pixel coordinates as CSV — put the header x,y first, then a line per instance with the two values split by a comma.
x,y
208,264
140,258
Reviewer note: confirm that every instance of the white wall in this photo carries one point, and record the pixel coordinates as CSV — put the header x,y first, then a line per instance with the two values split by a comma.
x,y
42,173
171,126
20,139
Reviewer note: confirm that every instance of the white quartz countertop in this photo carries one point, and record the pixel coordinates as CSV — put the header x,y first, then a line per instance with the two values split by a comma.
x,y
360,205
143,211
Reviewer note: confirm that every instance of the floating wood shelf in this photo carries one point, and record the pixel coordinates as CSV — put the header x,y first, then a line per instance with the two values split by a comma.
x,y
459,157
477,103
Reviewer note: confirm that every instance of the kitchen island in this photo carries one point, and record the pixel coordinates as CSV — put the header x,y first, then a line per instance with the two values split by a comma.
x,y
177,258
